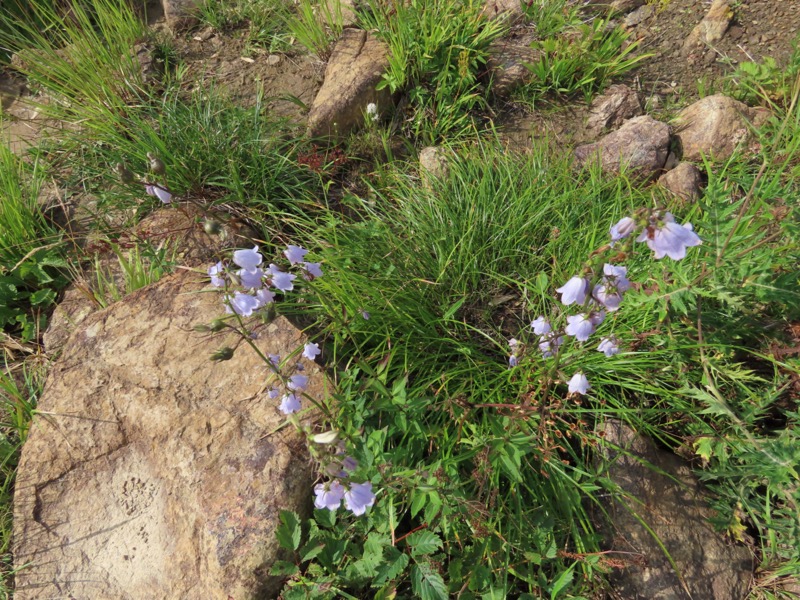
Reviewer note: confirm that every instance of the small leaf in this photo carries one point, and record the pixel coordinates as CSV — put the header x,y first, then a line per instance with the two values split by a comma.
x,y
283,568
423,542
426,583
394,563
289,530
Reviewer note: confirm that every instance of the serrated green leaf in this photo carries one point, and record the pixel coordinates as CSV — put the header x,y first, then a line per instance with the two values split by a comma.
x,y
394,563
283,568
417,502
423,542
289,531
42,297
426,583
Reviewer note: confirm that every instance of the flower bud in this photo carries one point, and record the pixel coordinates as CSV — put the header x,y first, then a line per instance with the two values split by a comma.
x,y
225,353
212,227
156,164
125,174
329,437
201,328
217,325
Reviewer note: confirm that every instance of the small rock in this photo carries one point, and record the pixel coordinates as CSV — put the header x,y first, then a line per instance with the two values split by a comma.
x,y
715,126
507,58
639,16
684,181
510,10
713,26
180,14
433,163
661,502
273,60
611,109
640,147
355,68
624,6
150,70
205,34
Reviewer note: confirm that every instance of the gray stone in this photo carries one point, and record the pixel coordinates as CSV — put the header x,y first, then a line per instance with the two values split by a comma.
x,y
684,181
152,472
639,16
180,14
433,163
354,70
640,147
715,126
508,10
712,28
610,110
507,59
657,489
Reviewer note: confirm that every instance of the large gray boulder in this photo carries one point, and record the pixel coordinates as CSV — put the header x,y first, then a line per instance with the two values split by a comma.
x,y
640,147
715,126
354,70
611,109
662,503
152,472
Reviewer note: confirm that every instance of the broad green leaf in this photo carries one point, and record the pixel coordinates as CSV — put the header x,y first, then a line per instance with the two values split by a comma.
x,y
283,568
423,542
289,530
426,583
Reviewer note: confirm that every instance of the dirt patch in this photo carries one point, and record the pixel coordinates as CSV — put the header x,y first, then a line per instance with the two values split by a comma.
x,y
288,82
759,28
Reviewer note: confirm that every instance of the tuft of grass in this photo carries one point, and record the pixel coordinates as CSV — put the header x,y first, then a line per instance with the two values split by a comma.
x,y
264,20
582,60
316,25
437,50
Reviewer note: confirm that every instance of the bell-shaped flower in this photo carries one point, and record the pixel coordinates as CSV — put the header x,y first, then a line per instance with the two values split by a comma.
x,y
290,403
596,317
540,326
623,228
608,346
328,495
311,351
217,274
275,359
295,254
349,464
666,238
578,384
243,304
248,259
580,326
273,393
297,382
281,280
574,291
264,297
312,270
549,345
513,361
359,497
250,279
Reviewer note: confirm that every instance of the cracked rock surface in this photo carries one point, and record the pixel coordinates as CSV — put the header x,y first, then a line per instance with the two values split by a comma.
x,y
152,472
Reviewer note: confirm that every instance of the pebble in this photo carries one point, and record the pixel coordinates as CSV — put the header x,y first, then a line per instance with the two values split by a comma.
x,y
273,59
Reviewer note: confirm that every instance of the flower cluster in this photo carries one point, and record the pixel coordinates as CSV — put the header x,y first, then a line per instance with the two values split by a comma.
x,y
255,282
600,291
339,466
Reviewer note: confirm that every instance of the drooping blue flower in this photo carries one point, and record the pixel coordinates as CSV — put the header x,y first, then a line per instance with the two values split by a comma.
x,y
665,237
264,297
295,254
623,229
275,359
217,274
312,270
159,192
243,304
311,351
365,315
248,259
349,464
608,346
614,284
580,326
250,279
512,361
359,497
273,393
548,344
281,280
578,384
540,326
328,495
574,291
297,382
290,403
